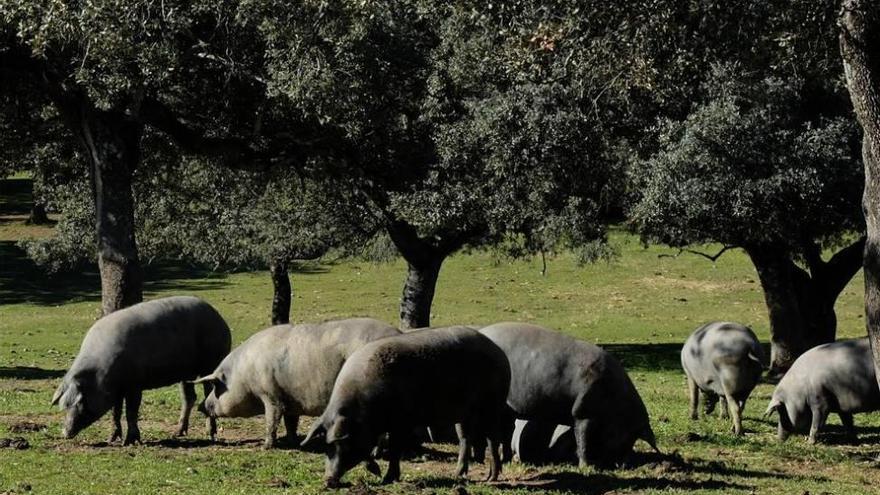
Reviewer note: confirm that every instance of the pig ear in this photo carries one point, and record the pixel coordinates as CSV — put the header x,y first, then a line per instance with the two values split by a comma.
x,y
317,431
59,392
339,430
372,467
756,359
207,378
771,408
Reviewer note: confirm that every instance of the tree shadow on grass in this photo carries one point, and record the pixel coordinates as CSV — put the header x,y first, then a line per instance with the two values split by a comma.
x,y
28,373
666,471
22,281
15,196
647,357
194,443
571,482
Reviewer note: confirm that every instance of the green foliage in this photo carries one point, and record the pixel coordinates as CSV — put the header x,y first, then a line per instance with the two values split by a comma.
x,y
192,210
450,130
750,166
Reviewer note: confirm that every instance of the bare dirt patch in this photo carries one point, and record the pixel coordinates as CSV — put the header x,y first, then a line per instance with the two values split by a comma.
x,y
663,282
26,427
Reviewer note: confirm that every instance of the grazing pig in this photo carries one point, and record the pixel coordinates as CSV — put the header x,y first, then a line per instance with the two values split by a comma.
x,y
434,376
149,345
722,359
832,378
287,371
559,380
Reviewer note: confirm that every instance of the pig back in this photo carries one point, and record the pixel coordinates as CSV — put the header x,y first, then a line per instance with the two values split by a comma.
x,y
844,369
431,376
720,342
307,364
547,369
155,343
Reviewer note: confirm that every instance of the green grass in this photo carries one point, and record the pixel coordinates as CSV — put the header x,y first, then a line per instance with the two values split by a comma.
x,y
640,306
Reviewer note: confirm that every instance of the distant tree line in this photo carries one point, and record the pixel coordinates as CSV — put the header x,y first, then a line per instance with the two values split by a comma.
x,y
260,134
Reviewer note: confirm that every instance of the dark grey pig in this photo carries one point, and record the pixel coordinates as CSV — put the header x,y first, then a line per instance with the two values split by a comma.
x,y
722,359
149,345
559,380
435,376
287,371
832,378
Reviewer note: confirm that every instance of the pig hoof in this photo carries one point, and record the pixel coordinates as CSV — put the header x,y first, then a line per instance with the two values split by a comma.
x,y
268,445
181,432
132,438
115,437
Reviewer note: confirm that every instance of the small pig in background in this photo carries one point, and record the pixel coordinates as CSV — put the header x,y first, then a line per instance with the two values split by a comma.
x,y
722,360
831,378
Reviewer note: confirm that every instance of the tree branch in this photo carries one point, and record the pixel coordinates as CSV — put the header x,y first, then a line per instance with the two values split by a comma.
x,y
234,152
843,266
711,257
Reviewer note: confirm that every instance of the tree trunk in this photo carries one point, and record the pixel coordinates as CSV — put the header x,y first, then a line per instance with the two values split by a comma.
x,y
860,47
38,213
112,143
801,304
418,292
282,295
424,257
784,305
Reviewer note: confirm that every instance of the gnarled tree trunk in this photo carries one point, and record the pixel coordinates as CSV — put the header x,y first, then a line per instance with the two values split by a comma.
x,y
424,258
418,292
801,303
860,47
282,292
112,144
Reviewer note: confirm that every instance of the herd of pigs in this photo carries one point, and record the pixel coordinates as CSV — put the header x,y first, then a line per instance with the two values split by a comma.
x,y
373,388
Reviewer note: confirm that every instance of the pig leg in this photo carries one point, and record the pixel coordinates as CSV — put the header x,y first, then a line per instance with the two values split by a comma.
x,y
818,421
784,427
847,420
463,449
694,393
211,422
188,397
132,408
506,432
735,413
722,407
116,434
494,459
291,421
581,429
273,417
394,452
710,399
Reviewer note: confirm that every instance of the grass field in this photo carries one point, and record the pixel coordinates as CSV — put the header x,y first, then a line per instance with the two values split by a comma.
x,y
640,306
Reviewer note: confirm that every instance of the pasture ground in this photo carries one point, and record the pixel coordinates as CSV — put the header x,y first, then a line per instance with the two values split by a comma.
x,y
640,306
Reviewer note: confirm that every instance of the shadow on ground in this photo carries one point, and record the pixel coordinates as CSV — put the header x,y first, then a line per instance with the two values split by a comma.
x,y
15,196
647,357
22,281
28,373
666,471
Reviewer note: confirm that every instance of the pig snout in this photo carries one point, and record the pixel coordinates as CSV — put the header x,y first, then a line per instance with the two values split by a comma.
x,y
332,482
